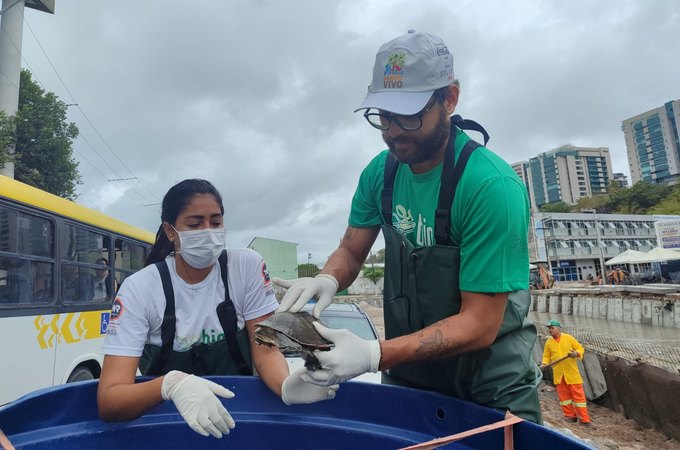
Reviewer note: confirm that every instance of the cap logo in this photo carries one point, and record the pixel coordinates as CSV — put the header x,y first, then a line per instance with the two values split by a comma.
x,y
442,50
394,68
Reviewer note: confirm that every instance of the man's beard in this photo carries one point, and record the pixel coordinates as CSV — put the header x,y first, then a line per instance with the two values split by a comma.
x,y
425,147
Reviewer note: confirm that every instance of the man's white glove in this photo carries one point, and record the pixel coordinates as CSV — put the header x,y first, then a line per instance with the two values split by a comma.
x,y
301,290
195,400
351,357
295,390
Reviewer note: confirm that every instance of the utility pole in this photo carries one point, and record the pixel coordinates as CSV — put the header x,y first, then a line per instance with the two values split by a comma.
x,y
599,247
11,35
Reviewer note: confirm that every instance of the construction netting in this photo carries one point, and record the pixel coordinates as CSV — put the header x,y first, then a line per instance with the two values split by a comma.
x,y
667,357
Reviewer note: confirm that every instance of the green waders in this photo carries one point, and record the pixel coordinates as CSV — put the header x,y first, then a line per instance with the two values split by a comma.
x,y
229,356
421,288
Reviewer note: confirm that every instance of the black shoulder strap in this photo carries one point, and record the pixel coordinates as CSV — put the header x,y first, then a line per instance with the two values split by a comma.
x,y
447,188
168,327
226,313
391,166
467,124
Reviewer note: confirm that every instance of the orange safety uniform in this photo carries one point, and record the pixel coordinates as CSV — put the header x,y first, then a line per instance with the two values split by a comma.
x,y
566,375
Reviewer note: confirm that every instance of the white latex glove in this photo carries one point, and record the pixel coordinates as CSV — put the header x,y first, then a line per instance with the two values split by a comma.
x,y
195,400
351,357
301,290
295,390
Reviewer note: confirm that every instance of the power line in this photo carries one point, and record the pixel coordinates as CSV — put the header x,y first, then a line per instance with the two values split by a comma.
x,y
89,121
102,174
22,58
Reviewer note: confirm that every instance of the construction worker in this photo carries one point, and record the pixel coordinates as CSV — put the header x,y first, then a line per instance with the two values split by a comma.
x,y
563,349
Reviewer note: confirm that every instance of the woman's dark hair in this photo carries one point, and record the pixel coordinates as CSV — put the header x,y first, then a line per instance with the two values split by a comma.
x,y
174,202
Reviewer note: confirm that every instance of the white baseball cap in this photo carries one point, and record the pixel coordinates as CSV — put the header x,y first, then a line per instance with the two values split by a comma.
x,y
407,71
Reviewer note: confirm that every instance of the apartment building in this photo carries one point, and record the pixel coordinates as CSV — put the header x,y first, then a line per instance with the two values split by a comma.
x,y
566,174
653,144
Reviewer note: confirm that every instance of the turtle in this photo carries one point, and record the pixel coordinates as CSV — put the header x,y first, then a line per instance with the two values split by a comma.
x,y
293,332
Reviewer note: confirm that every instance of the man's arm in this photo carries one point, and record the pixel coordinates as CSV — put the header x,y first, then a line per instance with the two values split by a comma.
x,y
474,328
338,273
346,262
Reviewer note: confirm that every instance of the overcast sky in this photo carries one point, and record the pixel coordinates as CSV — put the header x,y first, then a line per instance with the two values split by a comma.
x,y
257,96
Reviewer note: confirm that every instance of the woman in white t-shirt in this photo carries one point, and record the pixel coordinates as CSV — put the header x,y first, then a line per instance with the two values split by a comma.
x,y
178,320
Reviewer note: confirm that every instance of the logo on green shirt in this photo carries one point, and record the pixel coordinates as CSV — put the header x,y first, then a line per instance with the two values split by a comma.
x,y
404,223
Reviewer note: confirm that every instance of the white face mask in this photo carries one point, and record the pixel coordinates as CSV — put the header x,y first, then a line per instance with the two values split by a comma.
x,y
201,248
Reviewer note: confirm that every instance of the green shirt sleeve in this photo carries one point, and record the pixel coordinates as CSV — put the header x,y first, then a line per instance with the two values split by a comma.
x,y
493,237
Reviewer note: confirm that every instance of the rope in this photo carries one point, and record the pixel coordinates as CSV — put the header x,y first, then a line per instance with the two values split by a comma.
x,y
506,424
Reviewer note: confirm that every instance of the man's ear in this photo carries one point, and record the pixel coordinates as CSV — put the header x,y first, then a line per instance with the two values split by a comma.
x,y
451,100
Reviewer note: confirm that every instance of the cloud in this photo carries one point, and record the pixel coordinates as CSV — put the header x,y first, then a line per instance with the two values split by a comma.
x,y
258,96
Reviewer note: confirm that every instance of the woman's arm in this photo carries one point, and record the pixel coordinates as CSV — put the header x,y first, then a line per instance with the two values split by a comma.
x,y
118,397
269,363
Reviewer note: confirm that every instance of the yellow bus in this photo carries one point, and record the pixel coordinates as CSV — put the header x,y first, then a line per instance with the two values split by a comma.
x,y
60,266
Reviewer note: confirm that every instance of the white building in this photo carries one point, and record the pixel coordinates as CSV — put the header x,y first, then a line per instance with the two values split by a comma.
x,y
576,245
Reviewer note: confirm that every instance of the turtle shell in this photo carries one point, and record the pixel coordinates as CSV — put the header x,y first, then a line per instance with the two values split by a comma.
x,y
293,332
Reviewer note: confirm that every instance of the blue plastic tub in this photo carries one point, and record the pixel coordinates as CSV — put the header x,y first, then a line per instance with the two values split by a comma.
x,y
362,416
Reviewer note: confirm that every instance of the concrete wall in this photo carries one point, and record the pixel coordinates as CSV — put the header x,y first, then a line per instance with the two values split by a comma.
x,y
364,286
660,310
647,394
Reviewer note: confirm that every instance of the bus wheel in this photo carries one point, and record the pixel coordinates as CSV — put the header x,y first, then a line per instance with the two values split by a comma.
x,y
80,374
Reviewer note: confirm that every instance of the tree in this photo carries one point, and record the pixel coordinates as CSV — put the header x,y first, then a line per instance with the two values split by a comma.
x,y
373,273
555,207
669,205
597,202
637,199
44,140
7,138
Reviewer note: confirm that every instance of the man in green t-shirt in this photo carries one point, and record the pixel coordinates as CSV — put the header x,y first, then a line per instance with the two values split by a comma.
x,y
455,217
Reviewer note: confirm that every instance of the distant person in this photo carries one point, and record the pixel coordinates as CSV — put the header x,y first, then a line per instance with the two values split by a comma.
x,y
566,376
456,267
177,320
101,281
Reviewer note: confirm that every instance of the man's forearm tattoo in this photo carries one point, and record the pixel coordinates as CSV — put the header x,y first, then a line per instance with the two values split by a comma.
x,y
434,346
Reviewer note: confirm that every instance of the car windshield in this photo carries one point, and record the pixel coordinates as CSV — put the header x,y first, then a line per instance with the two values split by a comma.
x,y
356,325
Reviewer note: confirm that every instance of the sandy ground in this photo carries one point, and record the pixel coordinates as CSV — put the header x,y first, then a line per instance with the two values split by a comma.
x,y
609,429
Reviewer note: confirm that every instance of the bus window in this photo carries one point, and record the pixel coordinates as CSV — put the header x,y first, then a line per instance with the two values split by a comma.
x,y
84,256
26,258
129,258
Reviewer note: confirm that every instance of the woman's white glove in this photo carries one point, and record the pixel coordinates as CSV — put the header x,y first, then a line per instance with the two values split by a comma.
x,y
301,290
351,357
195,400
295,390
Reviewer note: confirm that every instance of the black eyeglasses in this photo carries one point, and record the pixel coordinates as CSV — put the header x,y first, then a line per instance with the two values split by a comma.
x,y
383,120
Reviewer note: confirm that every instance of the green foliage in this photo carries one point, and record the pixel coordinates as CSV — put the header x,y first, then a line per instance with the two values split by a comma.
x,y
669,205
373,273
597,202
7,138
44,140
639,199
308,270
556,207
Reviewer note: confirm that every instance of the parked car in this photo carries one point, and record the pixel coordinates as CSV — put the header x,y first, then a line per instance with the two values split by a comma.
x,y
338,316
